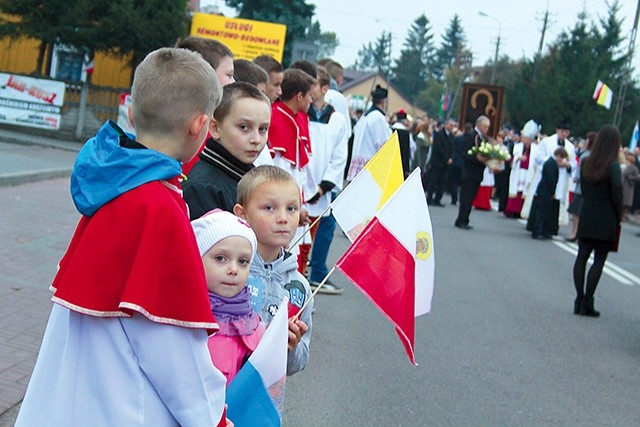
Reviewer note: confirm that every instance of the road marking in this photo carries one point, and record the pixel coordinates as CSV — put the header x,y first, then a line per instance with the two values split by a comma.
x,y
618,273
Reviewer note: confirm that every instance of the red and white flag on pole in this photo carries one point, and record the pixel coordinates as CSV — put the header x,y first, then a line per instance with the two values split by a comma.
x,y
392,259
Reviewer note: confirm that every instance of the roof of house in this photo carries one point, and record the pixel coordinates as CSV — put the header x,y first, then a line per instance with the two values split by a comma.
x,y
353,78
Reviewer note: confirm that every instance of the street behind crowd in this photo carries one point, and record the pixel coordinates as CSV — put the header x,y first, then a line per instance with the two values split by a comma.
x,y
500,347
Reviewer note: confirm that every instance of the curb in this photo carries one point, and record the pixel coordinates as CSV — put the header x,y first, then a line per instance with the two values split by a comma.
x,y
8,417
13,137
7,180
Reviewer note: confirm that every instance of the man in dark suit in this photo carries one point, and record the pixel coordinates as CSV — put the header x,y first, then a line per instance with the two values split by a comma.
x,y
542,220
455,169
441,158
402,126
472,171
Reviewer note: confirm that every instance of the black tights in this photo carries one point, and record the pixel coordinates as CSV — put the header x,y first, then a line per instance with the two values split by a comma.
x,y
580,266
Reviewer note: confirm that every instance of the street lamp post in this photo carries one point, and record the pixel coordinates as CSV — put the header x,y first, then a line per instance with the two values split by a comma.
x,y
495,59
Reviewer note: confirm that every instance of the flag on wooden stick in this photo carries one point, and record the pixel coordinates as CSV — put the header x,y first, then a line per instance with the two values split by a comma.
x,y
392,259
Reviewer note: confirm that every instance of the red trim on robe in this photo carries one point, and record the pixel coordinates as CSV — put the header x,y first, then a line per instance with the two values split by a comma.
x,y
287,136
137,253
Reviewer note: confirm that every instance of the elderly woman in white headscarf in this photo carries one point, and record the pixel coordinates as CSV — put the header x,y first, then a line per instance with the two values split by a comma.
x,y
522,169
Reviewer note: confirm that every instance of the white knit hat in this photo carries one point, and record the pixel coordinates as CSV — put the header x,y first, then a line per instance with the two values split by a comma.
x,y
216,225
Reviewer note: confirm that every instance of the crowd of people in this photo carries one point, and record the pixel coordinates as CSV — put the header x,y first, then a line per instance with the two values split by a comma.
x,y
543,179
198,229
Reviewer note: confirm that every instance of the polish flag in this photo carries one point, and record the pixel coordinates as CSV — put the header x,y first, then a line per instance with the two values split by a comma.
x,y
255,397
392,259
370,189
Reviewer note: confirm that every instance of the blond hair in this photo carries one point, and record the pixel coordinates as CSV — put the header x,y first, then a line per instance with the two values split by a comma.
x,y
169,87
259,175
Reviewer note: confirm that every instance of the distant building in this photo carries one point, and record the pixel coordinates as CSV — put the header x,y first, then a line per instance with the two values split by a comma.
x,y
357,86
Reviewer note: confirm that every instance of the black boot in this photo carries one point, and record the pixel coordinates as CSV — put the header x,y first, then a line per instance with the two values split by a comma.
x,y
577,304
586,309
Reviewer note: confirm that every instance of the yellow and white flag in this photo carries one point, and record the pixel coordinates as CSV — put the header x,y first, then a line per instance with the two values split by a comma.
x,y
603,95
370,189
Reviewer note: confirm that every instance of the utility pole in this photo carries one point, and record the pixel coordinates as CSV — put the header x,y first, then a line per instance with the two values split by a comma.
x,y
544,29
626,75
495,59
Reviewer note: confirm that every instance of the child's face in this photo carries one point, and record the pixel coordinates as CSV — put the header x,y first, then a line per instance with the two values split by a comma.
x,y
226,266
224,71
243,133
274,86
273,210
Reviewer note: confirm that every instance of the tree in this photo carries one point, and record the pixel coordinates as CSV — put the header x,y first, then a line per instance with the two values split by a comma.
x,y
124,27
414,67
141,26
325,41
295,14
376,57
453,42
559,85
54,21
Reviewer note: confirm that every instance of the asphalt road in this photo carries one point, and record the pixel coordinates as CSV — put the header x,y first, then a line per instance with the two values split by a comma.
x,y
500,347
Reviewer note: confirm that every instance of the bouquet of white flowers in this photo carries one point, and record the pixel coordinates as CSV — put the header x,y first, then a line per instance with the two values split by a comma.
x,y
496,154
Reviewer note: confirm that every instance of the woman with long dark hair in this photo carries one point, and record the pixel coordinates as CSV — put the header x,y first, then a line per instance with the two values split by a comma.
x,y
601,184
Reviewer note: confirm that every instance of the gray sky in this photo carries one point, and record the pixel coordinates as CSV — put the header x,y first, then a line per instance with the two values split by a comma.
x,y
520,21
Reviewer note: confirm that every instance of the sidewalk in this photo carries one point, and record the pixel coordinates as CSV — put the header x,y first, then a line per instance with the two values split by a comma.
x,y
27,233
29,158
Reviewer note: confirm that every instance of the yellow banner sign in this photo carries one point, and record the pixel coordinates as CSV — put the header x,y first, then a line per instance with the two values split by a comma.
x,y
246,38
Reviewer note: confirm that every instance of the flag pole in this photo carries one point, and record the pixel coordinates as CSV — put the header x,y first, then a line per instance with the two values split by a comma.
x,y
309,228
297,316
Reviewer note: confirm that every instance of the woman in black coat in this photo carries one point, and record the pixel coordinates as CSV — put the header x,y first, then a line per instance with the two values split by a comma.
x,y
601,184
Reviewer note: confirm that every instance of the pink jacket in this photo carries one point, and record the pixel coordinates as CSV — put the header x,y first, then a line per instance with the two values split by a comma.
x,y
229,353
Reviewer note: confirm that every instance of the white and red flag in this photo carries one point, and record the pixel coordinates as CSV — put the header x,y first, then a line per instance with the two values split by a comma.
x,y
392,259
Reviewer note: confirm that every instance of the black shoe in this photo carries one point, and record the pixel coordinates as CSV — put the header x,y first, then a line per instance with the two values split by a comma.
x,y
586,308
577,304
537,237
464,226
547,237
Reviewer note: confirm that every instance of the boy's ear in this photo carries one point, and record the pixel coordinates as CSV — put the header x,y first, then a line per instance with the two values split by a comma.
x,y
197,125
130,115
238,211
214,129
